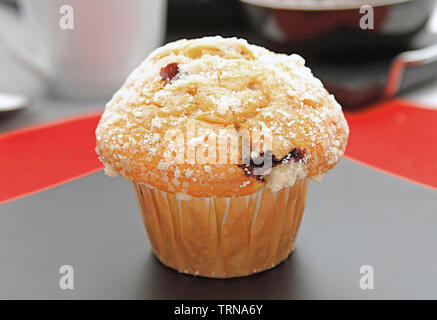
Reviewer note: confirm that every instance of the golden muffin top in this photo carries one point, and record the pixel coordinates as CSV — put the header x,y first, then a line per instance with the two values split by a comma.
x,y
197,116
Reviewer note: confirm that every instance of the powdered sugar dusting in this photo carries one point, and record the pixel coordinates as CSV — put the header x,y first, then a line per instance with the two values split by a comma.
x,y
220,83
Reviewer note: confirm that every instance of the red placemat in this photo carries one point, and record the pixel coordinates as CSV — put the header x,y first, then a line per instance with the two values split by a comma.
x,y
396,137
43,156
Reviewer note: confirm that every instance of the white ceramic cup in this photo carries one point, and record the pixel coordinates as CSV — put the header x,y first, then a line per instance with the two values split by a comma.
x,y
108,39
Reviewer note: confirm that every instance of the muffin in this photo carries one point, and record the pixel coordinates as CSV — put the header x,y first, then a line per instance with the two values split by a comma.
x,y
220,139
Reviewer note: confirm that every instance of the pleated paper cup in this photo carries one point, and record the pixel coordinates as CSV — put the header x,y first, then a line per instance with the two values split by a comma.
x,y
222,237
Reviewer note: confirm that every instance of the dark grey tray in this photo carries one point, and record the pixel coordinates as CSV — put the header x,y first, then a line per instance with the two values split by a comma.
x,y
355,217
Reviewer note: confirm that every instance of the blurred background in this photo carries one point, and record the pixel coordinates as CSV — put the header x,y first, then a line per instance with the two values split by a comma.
x,y
61,58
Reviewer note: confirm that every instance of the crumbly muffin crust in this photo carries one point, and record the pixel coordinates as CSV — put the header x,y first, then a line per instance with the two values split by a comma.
x,y
213,84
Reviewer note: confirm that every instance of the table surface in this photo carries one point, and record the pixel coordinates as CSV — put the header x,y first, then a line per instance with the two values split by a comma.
x,y
356,216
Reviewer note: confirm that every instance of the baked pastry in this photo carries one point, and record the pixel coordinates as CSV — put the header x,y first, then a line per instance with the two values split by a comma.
x,y
220,138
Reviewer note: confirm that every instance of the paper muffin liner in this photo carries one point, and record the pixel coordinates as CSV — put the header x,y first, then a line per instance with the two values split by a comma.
x,y
222,237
